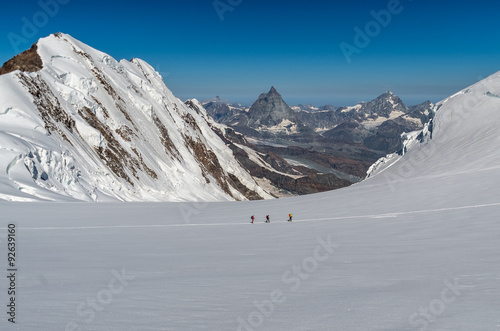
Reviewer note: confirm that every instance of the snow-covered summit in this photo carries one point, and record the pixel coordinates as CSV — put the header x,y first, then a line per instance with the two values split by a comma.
x,y
85,126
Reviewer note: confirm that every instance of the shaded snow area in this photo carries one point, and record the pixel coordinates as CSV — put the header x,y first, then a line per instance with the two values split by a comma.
x,y
413,247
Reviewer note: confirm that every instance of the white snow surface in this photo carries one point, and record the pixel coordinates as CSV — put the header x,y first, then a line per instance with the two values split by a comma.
x,y
73,169
414,247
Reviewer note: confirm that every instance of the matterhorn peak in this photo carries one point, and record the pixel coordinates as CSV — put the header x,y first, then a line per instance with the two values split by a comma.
x,y
270,109
273,90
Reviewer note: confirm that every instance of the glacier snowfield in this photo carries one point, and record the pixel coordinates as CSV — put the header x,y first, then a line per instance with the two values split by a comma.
x,y
415,247
363,258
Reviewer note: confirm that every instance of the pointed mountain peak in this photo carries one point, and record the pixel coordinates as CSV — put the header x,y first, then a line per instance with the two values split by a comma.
x,y
387,94
273,90
270,109
385,103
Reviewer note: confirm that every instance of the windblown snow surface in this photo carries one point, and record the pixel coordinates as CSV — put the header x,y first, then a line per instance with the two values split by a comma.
x,y
413,247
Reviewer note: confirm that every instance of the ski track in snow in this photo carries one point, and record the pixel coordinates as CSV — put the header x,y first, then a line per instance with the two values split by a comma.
x,y
375,216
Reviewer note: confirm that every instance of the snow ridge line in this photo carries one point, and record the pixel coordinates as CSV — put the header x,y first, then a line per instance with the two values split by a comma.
x,y
386,215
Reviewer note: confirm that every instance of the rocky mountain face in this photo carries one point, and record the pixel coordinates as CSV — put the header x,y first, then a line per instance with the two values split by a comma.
x,y
270,110
377,124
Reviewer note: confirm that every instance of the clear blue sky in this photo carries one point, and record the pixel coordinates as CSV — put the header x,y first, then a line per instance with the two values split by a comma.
x,y
428,50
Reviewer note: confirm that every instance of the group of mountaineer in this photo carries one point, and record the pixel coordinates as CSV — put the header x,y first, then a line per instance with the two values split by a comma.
x,y
268,219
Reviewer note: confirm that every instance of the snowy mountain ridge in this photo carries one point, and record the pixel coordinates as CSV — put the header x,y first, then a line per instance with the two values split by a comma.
x,y
77,124
460,138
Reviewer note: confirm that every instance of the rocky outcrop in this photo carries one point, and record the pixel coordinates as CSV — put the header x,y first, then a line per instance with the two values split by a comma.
x,y
27,61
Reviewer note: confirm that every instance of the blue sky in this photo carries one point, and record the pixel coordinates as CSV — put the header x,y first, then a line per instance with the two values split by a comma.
x,y
425,50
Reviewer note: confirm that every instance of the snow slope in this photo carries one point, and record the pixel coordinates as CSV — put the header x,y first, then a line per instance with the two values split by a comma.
x,y
88,127
414,247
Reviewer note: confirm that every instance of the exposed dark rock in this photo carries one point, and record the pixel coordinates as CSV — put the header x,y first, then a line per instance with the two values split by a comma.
x,y
270,109
248,193
27,61
120,104
210,166
48,105
148,170
169,145
350,132
112,153
189,119
104,111
220,111
126,133
193,106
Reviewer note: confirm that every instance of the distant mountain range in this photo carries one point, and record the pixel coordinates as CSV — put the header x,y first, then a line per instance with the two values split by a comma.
x,y
343,141
377,125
